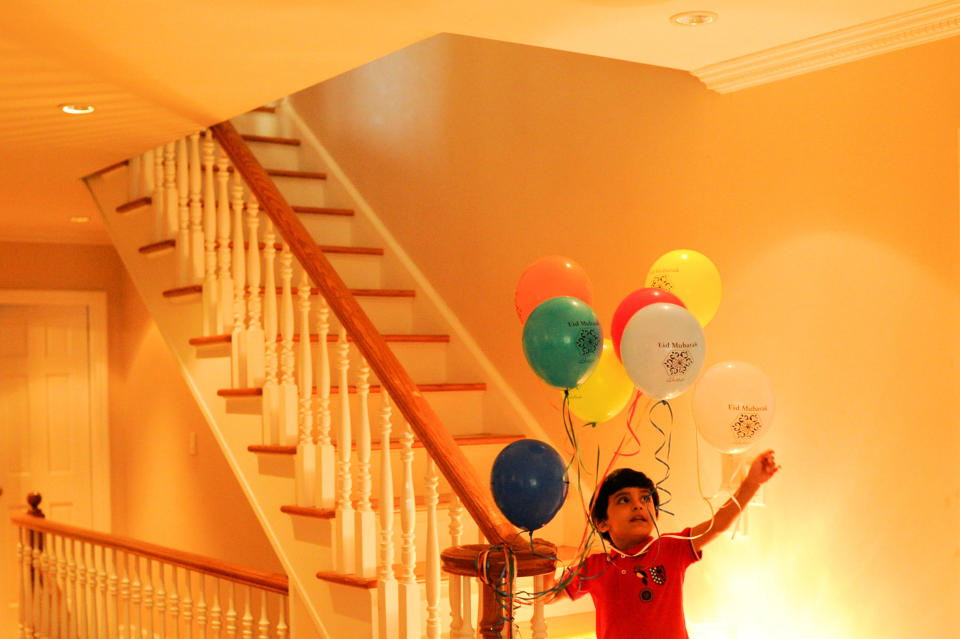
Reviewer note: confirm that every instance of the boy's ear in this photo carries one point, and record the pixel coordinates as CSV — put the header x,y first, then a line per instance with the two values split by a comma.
x,y
602,526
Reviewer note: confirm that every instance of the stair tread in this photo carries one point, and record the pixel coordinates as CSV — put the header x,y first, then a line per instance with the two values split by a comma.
x,y
330,513
134,204
348,250
357,292
321,210
312,175
157,247
478,439
265,109
374,388
420,572
227,338
268,139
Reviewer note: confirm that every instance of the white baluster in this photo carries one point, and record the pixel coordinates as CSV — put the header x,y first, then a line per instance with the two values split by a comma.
x,y
58,585
184,270
306,469
43,586
157,199
386,583
133,178
31,554
113,581
188,603
161,598
211,295
83,628
271,387
288,424
246,622
23,627
216,612
255,335
346,523
51,585
170,214
148,598
538,624
460,625
174,603
224,276
202,608
125,599
72,588
282,629
231,617
366,520
196,212
98,583
326,456
263,625
63,587
433,552
238,344
136,599
409,599
147,176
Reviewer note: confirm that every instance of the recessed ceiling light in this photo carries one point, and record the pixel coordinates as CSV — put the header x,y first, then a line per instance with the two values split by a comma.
x,y
694,18
76,109
80,219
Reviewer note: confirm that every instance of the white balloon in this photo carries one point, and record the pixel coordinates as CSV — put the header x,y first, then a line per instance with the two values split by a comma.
x,y
733,406
663,349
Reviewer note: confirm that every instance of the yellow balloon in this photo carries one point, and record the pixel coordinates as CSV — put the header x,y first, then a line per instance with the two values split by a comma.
x,y
691,277
606,392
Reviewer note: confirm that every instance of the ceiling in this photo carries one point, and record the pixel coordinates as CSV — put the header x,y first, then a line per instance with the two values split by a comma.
x,y
156,69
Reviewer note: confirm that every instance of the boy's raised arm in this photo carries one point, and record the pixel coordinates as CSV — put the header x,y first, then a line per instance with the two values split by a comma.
x,y
761,470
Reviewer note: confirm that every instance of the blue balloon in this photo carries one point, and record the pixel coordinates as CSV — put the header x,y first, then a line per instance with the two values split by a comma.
x,y
529,483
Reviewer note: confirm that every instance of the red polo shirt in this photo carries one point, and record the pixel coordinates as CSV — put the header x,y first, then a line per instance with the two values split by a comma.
x,y
638,596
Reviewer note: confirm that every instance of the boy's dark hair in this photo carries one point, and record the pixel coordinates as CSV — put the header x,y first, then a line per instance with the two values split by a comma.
x,y
614,482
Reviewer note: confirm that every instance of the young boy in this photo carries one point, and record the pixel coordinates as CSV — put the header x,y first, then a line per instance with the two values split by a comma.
x,y
637,587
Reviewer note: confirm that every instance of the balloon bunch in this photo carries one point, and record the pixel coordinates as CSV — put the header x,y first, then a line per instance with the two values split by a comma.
x,y
656,346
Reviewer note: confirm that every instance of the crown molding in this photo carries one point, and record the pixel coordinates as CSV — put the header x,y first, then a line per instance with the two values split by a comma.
x,y
903,30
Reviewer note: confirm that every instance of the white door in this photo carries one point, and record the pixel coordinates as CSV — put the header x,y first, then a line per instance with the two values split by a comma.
x,y
45,426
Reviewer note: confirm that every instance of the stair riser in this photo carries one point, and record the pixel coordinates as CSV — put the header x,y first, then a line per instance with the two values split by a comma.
x,y
277,156
424,361
460,411
259,123
327,229
298,190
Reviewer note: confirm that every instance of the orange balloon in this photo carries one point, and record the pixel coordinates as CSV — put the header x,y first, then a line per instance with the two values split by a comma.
x,y
549,277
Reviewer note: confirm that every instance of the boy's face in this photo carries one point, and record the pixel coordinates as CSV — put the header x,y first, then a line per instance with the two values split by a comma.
x,y
630,517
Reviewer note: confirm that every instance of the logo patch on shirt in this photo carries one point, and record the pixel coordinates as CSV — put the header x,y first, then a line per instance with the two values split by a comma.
x,y
658,574
640,572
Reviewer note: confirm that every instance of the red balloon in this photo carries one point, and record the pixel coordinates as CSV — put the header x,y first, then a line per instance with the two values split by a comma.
x,y
549,277
633,303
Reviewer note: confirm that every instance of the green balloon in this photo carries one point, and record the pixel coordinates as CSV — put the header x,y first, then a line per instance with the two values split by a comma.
x,y
562,341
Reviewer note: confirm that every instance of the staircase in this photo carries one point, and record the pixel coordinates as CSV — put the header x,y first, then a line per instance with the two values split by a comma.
x,y
274,334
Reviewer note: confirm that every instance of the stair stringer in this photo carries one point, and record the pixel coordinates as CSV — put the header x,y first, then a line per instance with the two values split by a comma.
x,y
302,547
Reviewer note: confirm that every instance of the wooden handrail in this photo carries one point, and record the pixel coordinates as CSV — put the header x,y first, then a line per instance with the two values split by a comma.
x,y
222,569
419,414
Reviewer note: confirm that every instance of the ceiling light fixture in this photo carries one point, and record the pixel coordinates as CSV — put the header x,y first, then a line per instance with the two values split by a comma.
x,y
80,219
77,109
694,18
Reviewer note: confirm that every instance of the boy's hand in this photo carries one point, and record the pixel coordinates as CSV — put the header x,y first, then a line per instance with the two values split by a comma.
x,y
763,468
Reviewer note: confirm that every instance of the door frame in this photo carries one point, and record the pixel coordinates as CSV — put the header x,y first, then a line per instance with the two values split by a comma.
x,y
96,305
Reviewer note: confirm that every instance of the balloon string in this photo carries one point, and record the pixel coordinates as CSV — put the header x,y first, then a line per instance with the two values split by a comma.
x,y
666,442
